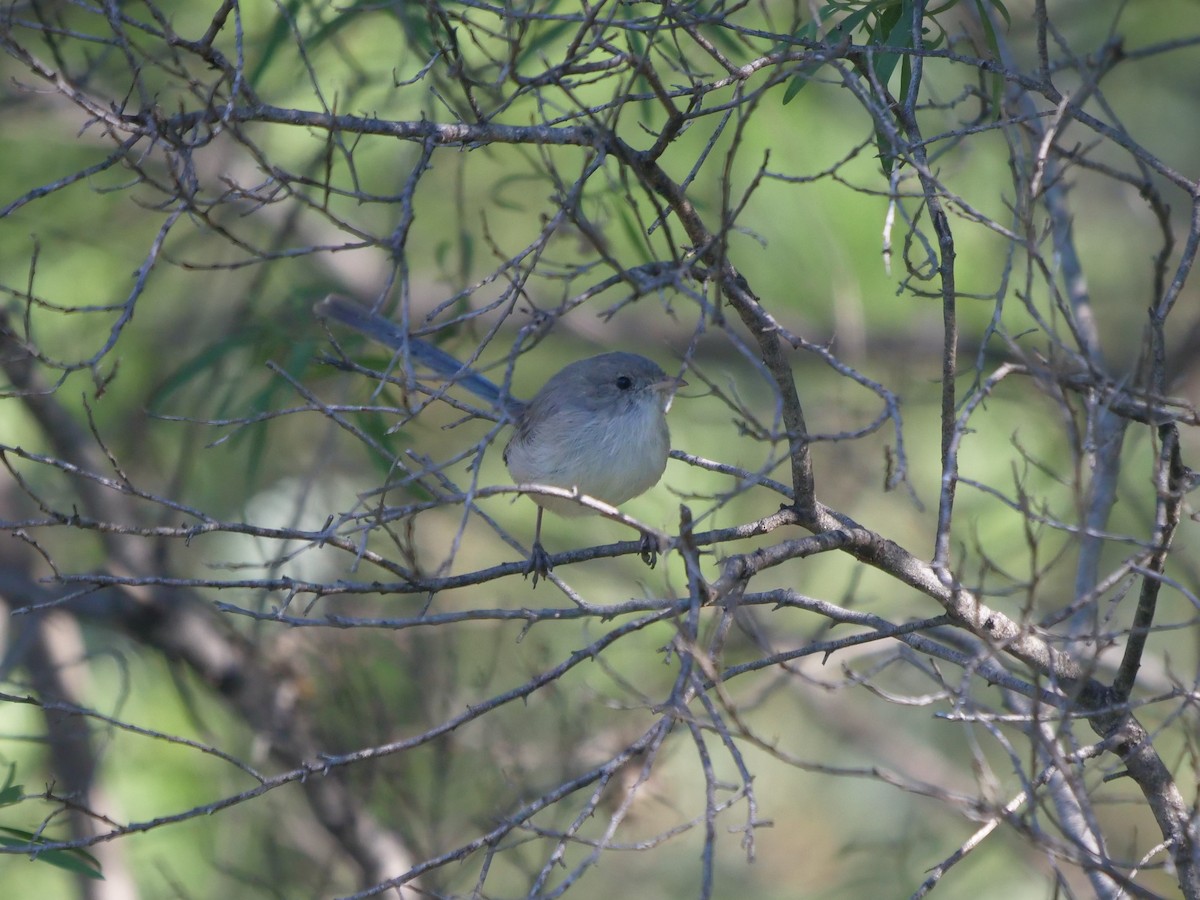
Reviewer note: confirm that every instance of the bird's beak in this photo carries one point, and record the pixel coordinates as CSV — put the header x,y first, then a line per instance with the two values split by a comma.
x,y
667,388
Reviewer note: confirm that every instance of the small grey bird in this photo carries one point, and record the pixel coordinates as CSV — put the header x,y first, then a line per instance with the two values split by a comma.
x,y
598,425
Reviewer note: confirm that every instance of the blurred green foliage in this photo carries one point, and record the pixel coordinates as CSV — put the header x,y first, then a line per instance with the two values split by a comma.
x,y
217,309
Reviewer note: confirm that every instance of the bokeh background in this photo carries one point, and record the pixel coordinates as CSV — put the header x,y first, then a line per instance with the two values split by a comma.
x,y
200,399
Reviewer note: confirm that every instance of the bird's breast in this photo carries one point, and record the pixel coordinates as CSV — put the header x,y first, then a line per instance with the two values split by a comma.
x,y
612,456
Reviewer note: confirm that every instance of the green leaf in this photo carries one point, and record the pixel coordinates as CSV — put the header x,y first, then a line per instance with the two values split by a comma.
x,y
1003,10
76,860
466,253
267,399
11,792
993,42
809,32
518,197
325,30
200,363
542,38
899,27
281,31
630,226
282,35
723,38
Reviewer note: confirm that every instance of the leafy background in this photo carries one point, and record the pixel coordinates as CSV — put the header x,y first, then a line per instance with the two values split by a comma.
x,y
215,313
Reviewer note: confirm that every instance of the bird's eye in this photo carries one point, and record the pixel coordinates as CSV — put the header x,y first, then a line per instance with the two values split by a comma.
x,y
624,382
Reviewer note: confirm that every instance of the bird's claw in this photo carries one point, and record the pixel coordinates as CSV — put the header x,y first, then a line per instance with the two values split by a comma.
x,y
539,563
649,549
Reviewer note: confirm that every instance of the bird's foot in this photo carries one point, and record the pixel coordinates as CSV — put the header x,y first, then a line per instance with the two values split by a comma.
x,y
649,549
539,563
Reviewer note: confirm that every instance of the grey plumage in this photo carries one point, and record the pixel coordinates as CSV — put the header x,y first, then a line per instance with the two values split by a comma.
x,y
598,425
